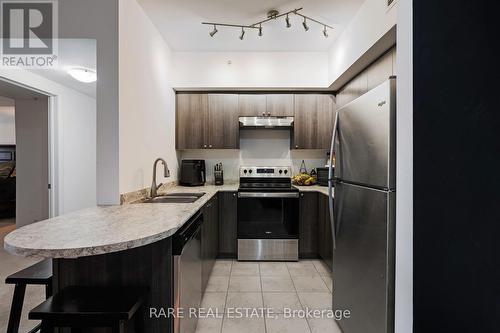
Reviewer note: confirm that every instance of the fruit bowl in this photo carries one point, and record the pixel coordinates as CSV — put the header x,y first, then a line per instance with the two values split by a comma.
x,y
303,179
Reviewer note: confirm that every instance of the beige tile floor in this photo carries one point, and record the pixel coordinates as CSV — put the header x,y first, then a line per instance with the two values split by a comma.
x,y
274,285
34,294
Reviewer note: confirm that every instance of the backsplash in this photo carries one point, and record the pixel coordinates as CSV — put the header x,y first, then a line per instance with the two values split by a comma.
x,y
259,147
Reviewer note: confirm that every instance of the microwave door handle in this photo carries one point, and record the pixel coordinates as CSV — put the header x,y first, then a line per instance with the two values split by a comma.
x,y
203,176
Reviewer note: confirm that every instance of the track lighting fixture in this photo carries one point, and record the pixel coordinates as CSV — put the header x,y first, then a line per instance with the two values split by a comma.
x,y
271,15
213,32
304,24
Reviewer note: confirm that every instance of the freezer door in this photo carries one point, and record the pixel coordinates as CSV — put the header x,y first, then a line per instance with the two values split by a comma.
x,y
365,148
363,261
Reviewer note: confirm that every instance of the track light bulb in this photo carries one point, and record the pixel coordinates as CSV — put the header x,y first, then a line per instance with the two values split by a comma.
x,y
306,28
287,20
242,34
325,32
213,32
260,30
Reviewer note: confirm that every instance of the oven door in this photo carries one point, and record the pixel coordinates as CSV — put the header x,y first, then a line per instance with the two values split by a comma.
x,y
268,215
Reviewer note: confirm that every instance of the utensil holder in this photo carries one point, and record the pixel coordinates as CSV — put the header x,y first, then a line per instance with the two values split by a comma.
x,y
219,177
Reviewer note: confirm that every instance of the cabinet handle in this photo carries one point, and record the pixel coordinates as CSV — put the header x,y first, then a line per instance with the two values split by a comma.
x,y
269,114
296,146
204,146
209,146
301,194
263,114
234,194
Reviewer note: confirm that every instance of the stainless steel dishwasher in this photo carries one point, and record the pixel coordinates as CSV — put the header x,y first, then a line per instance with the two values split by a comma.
x,y
187,274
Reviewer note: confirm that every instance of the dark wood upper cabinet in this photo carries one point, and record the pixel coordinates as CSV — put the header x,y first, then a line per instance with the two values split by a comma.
x,y
313,123
252,105
223,127
191,121
279,105
205,121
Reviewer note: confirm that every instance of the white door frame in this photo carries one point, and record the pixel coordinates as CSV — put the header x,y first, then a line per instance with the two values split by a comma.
x,y
52,151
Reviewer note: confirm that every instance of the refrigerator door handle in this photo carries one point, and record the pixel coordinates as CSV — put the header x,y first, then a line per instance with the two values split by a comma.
x,y
330,180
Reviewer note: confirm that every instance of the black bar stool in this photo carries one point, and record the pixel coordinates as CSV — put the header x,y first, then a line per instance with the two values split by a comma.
x,y
84,307
39,274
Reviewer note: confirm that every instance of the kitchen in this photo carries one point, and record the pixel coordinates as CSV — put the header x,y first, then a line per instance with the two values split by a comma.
x,y
233,169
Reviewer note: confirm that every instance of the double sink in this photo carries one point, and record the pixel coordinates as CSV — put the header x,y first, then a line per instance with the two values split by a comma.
x,y
174,198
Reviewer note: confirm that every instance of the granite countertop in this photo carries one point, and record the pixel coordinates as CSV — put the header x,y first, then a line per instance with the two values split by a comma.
x,y
313,188
105,229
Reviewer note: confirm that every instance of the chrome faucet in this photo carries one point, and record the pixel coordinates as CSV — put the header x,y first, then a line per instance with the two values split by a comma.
x,y
155,188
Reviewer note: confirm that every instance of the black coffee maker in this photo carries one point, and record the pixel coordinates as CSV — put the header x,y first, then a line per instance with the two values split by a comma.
x,y
193,173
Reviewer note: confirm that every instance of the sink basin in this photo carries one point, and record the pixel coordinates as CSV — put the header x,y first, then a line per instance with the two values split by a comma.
x,y
175,198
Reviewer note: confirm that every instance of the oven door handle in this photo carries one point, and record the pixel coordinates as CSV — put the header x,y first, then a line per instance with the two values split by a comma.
x,y
268,194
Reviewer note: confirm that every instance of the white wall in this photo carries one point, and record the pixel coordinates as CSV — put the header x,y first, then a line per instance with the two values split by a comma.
x,y
404,171
250,70
147,100
32,160
371,22
257,148
7,121
98,19
73,124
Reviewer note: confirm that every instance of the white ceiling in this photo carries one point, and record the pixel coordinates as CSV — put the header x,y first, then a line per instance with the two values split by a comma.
x,y
179,21
73,53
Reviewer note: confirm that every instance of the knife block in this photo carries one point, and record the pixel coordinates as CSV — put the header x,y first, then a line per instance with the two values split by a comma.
x,y
219,177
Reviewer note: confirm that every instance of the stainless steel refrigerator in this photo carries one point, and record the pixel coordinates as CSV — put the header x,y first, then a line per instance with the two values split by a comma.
x,y
362,210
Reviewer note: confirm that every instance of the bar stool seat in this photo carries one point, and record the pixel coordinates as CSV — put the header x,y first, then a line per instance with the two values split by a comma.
x,y
37,274
81,307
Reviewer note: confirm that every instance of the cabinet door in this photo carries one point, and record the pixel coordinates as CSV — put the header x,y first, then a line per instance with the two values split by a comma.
x,y
191,117
252,105
206,264
223,126
308,225
313,123
279,105
214,231
326,116
325,242
227,224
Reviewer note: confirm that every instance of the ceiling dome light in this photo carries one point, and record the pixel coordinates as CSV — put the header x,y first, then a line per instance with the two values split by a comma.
x,y
242,34
213,32
287,20
306,28
325,32
260,30
83,74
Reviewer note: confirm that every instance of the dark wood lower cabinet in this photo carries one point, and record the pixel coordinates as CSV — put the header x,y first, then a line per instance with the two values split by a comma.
x,y
325,241
228,205
209,239
308,225
146,266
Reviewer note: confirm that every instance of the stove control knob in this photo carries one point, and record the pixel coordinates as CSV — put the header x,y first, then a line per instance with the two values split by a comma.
x,y
245,171
250,171
286,171
281,171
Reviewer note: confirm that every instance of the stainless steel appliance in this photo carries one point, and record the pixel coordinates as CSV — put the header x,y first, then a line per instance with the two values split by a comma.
x,y
266,122
186,248
322,175
193,173
363,218
268,207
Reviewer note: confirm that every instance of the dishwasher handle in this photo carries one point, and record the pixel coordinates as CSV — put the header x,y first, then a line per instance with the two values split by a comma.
x,y
187,232
268,194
